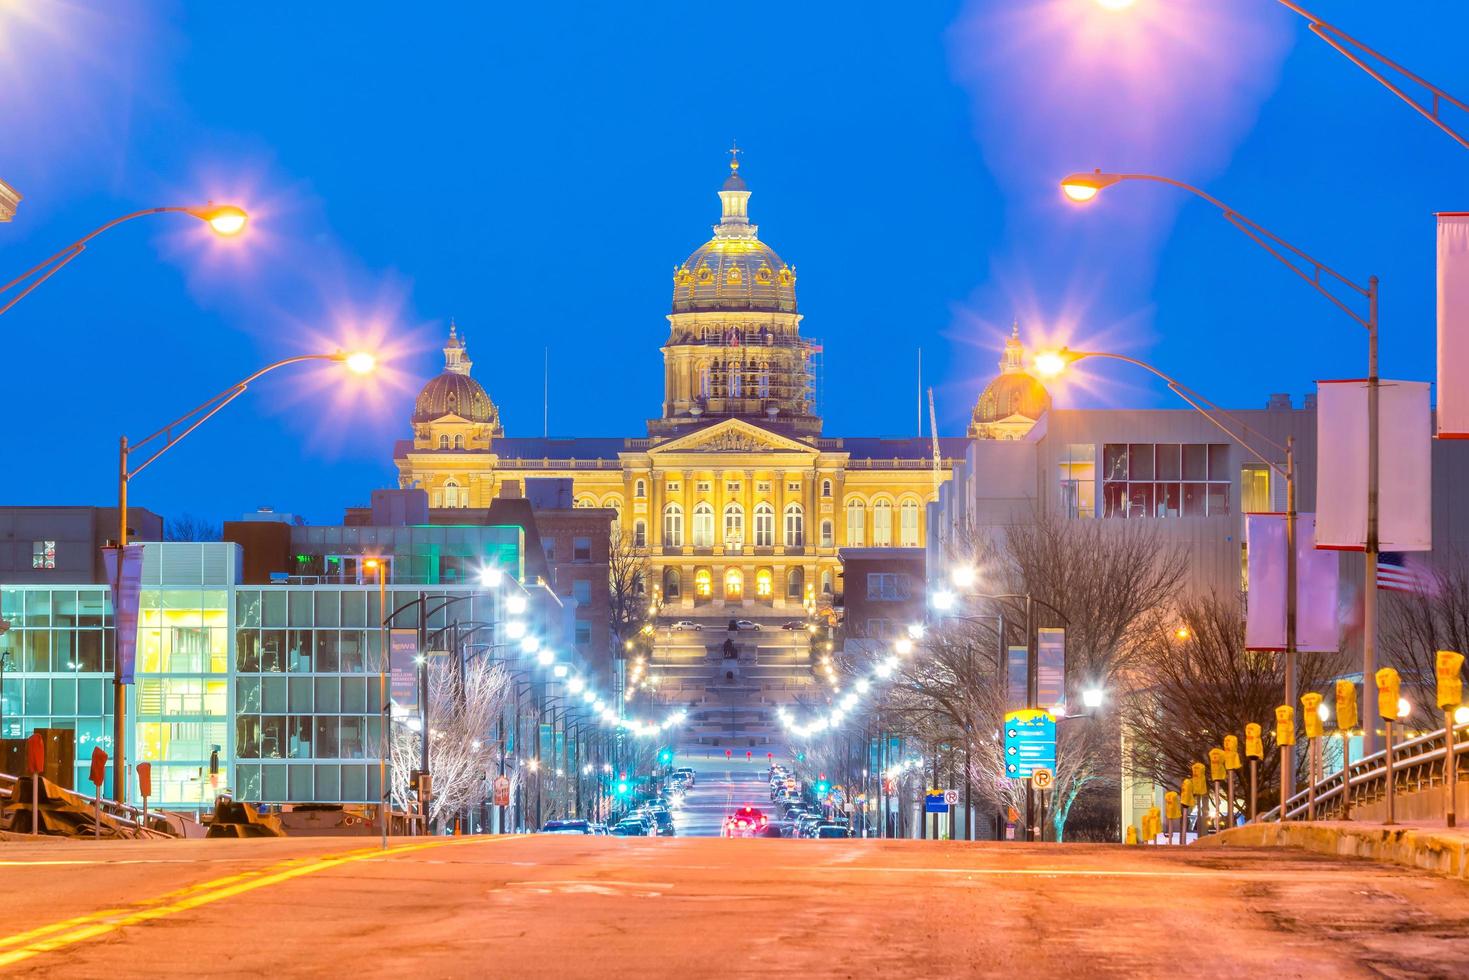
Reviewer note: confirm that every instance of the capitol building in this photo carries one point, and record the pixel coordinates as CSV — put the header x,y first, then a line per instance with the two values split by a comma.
x,y
735,494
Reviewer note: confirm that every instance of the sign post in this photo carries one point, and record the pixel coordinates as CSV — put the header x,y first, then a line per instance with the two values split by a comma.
x,y
98,775
145,786
35,764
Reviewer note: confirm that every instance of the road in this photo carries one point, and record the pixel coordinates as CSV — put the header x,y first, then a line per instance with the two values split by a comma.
x,y
722,785
696,907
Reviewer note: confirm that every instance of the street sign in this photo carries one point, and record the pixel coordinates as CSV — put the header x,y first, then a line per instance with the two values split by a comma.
x,y
934,802
951,797
1042,779
1030,742
502,791
403,669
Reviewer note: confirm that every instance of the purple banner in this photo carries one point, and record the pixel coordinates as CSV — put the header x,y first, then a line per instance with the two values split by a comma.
x,y
1017,667
125,605
1050,667
403,669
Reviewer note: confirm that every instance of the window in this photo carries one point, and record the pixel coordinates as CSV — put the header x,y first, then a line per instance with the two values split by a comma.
x,y
458,442
764,588
908,524
584,503
640,490
736,387
882,524
454,495
443,442
887,586
731,488
1078,474
826,488
762,486
795,526
581,591
734,584
795,583
581,549
856,517
548,545
1254,489
704,381
703,583
703,486
703,525
673,526
764,525
826,535
1165,480
583,633
793,486
763,381
826,582
43,554
734,526
640,534
670,583
673,487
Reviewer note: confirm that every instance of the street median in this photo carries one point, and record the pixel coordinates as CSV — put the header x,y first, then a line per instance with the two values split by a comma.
x,y
1440,850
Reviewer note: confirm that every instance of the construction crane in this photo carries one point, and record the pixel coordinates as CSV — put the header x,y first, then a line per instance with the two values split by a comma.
x,y
933,430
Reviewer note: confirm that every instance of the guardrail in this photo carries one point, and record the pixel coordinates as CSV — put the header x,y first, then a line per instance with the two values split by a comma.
x,y
123,816
1418,763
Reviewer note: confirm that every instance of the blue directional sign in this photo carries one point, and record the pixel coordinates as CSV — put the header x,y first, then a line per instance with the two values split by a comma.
x,y
1030,742
934,802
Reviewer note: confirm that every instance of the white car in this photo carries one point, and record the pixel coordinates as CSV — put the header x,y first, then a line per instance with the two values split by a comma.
x,y
685,624
743,624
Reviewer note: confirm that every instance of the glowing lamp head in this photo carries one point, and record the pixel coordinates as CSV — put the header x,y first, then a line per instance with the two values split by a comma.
x,y
545,657
515,605
1461,715
943,600
1092,697
903,646
490,577
515,629
1404,708
1050,364
561,670
360,362
225,219
1115,5
1082,188
964,576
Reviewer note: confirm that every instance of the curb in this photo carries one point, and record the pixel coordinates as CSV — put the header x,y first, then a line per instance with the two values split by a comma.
x,y
1441,852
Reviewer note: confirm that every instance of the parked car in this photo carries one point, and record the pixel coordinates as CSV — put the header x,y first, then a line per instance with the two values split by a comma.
x,y
831,830
566,827
741,625
630,827
795,624
685,624
806,823
687,774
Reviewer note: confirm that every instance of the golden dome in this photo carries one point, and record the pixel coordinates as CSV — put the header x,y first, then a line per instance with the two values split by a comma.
x,y
1013,393
734,270
454,392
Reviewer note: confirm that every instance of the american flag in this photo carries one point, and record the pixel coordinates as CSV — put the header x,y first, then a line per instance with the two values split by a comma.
x,y
1394,575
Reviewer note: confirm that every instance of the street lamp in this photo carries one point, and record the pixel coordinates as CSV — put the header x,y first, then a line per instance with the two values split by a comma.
x,y
1083,187
225,219
172,434
379,567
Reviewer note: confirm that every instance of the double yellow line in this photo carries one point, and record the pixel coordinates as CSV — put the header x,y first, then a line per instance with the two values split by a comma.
x,y
68,932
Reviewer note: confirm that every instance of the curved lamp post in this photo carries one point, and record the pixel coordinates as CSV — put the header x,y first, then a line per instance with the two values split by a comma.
x,y
1083,187
171,434
226,220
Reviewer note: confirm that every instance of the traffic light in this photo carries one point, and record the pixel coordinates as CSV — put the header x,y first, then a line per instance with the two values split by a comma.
x,y
665,757
823,786
622,786
800,757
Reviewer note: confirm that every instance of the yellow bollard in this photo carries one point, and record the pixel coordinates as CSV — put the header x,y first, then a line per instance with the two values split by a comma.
x,y
1231,763
1216,776
1285,737
1255,750
1311,721
1449,667
1346,720
1201,790
1174,813
1388,687
1131,836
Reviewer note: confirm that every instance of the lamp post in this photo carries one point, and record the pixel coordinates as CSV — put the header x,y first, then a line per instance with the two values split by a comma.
x,y
1052,363
171,435
225,219
1083,188
385,798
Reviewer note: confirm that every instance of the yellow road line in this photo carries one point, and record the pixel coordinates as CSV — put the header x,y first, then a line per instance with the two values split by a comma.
x,y
68,932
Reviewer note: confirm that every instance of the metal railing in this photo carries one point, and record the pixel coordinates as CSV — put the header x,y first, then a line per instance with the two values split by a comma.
x,y
1418,763
124,816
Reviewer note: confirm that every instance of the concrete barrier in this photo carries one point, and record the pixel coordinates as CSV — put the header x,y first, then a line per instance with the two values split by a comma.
x,y
1439,850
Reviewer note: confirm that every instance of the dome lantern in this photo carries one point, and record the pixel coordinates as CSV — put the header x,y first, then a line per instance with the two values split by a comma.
x,y
455,393
1012,403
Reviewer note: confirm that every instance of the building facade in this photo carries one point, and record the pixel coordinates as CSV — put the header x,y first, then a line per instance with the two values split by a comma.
x,y
734,493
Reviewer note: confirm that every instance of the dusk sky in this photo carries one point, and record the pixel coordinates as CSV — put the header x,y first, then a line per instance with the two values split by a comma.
x,y
536,172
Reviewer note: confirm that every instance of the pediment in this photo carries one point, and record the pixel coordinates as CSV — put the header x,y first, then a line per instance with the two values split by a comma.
x,y
733,436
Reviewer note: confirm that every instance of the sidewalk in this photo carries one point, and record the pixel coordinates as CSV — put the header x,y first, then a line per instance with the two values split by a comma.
x,y
1428,846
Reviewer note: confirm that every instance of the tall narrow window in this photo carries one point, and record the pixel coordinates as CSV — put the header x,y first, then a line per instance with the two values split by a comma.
x,y
443,442
703,525
454,495
856,519
640,534
882,524
795,584
640,489
764,525
736,381
826,535
673,526
459,442
795,527
826,488
908,524
764,382
734,526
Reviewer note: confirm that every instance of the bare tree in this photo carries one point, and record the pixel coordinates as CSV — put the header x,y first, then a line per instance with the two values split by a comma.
x,y
463,705
1419,624
1184,694
188,527
627,569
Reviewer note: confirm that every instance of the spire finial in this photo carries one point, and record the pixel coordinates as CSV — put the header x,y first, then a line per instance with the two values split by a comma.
x,y
1015,329
734,156
452,327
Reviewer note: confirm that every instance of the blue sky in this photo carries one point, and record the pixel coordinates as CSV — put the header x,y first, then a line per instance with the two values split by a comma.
x,y
536,172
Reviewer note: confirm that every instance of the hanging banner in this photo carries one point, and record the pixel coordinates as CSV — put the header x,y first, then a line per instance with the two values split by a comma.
x,y
1453,325
1017,664
403,669
1404,522
1050,667
125,592
1317,573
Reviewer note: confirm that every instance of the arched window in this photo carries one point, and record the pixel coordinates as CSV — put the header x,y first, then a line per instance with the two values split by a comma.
x,y
734,525
640,534
458,442
443,442
882,524
795,583
670,583
639,584
764,525
673,526
640,489
856,518
703,381
826,488
454,496
764,584
826,582
826,536
703,583
795,526
615,505
585,502
908,524
734,584
703,525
